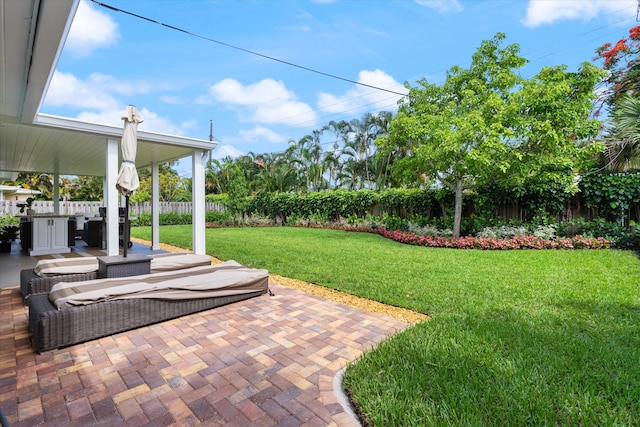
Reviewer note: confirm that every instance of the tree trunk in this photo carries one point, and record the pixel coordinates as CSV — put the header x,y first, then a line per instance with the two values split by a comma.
x,y
457,215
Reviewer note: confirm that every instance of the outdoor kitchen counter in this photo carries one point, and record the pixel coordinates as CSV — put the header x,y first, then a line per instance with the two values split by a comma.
x,y
45,234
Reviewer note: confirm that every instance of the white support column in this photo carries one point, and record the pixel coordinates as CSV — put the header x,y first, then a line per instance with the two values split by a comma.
x,y
111,198
56,193
197,200
105,190
155,207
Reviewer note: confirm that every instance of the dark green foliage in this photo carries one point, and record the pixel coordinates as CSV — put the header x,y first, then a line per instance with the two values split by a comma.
x,y
171,218
611,195
336,204
216,198
238,191
621,237
217,217
392,222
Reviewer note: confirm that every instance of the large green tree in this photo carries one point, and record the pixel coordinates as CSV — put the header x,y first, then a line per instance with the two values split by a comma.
x,y
486,122
171,186
456,132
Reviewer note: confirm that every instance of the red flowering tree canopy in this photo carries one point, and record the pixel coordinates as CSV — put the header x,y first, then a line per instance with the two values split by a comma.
x,y
622,60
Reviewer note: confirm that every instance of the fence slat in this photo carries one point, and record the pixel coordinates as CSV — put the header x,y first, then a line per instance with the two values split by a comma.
x,y
10,207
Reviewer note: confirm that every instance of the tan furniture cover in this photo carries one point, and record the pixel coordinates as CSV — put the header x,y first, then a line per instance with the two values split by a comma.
x,y
159,263
228,278
57,267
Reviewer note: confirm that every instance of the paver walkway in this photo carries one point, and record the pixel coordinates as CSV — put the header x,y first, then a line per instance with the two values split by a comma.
x,y
267,361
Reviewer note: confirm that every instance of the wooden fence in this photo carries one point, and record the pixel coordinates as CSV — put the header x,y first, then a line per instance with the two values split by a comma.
x,y
10,207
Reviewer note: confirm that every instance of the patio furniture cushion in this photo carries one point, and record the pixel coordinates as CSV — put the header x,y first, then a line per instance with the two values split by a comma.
x,y
177,261
52,271
198,282
56,267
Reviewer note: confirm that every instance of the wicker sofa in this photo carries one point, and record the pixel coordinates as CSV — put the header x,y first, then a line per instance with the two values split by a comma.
x,y
49,272
54,324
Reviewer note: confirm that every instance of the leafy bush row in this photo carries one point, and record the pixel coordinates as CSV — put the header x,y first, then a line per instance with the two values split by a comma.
x,y
337,204
608,195
171,218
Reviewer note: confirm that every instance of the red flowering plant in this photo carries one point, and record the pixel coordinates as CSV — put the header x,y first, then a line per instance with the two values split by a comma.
x,y
622,60
488,243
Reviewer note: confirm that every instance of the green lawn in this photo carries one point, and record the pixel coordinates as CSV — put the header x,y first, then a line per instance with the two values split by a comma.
x,y
517,337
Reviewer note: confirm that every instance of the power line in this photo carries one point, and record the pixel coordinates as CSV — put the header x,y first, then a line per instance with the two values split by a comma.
x,y
333,76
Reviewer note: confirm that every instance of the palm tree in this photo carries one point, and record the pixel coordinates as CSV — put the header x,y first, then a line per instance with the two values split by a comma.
x,y
623,147
333,160
277,175
360,147
307,154
331,164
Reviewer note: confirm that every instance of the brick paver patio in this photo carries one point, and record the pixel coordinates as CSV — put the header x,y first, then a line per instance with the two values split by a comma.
x,y
268,361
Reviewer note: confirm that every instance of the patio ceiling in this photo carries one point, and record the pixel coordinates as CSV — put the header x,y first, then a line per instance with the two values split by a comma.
x,y
32,34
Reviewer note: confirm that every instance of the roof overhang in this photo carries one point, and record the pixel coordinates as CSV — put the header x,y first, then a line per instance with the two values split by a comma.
x,y
33,33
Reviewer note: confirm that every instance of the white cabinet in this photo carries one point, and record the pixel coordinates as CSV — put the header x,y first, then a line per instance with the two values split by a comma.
x,y
49,236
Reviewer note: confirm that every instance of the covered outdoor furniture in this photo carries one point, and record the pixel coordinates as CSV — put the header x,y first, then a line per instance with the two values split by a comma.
x,y
82,311
92,233
48,272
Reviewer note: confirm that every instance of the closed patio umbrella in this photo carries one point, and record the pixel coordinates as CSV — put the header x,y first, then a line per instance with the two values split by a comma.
x,y
128,181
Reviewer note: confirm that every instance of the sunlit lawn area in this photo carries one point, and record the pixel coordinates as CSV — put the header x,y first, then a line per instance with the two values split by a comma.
x,y
517,337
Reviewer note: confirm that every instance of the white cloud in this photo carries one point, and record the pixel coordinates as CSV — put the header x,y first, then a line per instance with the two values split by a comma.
x,y
222,151
67,90
91,29
104,117
172,100
96,92
362,98
267,101
442,6
152,121
103,98
541,12
261,134
156,123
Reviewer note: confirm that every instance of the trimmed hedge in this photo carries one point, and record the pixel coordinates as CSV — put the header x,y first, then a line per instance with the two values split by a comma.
x,y
336,204
171,218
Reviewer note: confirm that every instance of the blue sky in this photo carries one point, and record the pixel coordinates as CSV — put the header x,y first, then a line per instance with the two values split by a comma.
x,y
182,80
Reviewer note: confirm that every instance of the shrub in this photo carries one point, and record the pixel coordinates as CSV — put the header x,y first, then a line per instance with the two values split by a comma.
x,y
9,220
620,237
426,230
217,217
503,231
395,223
545,231
170,218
